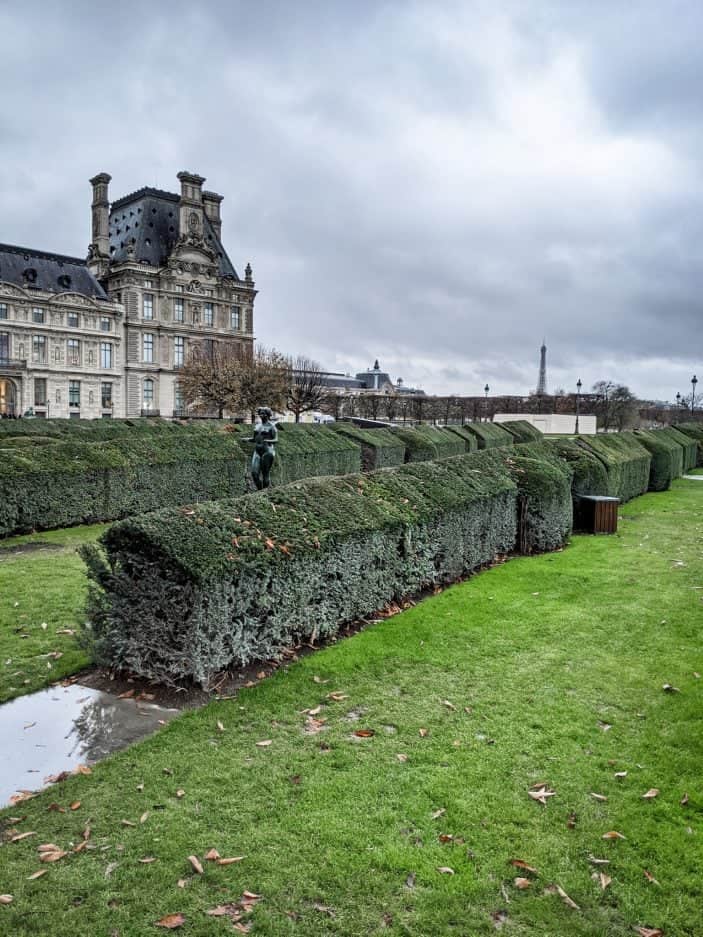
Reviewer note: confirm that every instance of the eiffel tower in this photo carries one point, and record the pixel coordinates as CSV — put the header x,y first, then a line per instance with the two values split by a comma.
x,y
542,383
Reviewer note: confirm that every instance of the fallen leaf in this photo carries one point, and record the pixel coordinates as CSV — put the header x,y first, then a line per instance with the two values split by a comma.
x,y
439,813
424,733
446,838
211,855
220,726
668,688
649,932
445,870
180,793
48,847
144,817
499,918
650,877
242,928
83,769
605,726
449,705
147,859
596,861
181,883
541,794
364,733
230,860
612,834
313,712
522,883
140,787
171,921
571,821
600,797
81,846
337,697
401,757
86,832
127,823
52,856
18,836
602,879
56,808
520,864
651,794
251,896
6,899
225,910
558,890
75,805
128,694
195,862
410,880
684,800
620,774
110,868
324,909
37,874
320,681
264,744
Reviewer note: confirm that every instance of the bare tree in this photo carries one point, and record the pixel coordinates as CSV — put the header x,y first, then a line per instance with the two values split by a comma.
x,y
209,379
263,380
306,386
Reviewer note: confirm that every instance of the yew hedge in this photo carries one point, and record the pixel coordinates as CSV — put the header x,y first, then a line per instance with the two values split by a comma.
x,y
687,443
667,458
694,431
625,460
465,434
490,435
380,448
522,431
589,476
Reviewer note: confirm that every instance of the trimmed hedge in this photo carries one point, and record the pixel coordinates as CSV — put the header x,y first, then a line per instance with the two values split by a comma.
x,y
490,435
470,441
626,462
423,442
304,450
74,482
693,431
667,458
589,474
183,594
688,445
380,448
522,431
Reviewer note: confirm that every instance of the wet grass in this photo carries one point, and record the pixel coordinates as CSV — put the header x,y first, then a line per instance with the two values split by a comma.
x,y
42,591
499,683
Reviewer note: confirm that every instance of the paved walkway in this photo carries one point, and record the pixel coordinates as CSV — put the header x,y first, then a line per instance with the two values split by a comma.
x,y
694,478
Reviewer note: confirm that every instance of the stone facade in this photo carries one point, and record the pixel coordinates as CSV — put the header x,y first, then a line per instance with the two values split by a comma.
x,y
157,283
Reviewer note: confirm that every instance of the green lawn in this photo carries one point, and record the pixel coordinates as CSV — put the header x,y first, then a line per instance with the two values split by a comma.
x,y
546,669
42,592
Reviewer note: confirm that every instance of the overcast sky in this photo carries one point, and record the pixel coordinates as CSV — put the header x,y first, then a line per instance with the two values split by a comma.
x,y
438,185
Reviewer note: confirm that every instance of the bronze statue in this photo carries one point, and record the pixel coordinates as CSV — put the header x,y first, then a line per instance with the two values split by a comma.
x,y
265,438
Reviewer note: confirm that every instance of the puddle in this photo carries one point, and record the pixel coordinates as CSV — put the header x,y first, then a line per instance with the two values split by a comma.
x,y
60,728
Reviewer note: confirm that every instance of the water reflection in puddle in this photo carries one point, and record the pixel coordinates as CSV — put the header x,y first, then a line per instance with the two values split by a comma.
x,y
60,728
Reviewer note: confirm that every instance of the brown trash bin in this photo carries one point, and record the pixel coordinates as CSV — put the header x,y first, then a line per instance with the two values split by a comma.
x,y
596,514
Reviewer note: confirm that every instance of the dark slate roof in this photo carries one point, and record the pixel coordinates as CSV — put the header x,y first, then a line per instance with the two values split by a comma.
x,y
148,218
55,273
368,378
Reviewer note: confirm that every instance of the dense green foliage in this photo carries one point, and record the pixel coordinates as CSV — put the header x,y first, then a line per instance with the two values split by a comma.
x,y
693,431
470,440
74,482
522,431
589,474
626,463
687,444
490,435
380,448
423,442
667,458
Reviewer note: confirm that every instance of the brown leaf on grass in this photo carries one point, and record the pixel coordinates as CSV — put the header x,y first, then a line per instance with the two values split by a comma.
x,y
212,855
602,879
499,918
439,813
313,712
337,696
127,823
364,733
446,838
251,896
668,688
684,800
18,836
449,705
171,921
445,870
521,864
604,726
522,883
600,797
592,859
220,726
144,817
37,874
48,847
180,793
52,856
83,769
295,779
423,733
231,910
147,860
81,846
56,808
264,744
86,832
6,899
324,909
195,862
558,890
242,927
649,932
320,681
651,794
75,805
612,834
650,877
540,793
128,694
402,758
230,860
181,883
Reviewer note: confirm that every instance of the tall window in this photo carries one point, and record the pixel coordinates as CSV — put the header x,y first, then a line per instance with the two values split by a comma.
x,y
179,345
148,348
105,354
105,324
74,393
235,317
208,314
38,315
148,284
148,394
72,320
3,310
178,400
73,351
148,306
39,391
39,349
4,346
106,395
178,310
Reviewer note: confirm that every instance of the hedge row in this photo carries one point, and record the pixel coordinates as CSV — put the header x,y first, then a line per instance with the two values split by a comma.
x,y
667,458
522,431
380,448
77,483
184,593
694,431
626,463
463,432
687,443
490,435
589,473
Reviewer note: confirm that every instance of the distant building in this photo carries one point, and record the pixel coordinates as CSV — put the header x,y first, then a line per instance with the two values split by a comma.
x,y
372,380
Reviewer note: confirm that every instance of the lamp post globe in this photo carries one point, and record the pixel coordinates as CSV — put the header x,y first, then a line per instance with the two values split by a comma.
x,y
694,381
485,391
579,385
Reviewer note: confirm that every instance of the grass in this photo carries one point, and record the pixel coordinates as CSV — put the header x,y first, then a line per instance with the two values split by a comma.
x,y
341,837
42,590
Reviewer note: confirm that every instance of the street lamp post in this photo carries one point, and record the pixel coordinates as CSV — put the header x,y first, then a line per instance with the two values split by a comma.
x,y
678,398
694,381
485,390
579,385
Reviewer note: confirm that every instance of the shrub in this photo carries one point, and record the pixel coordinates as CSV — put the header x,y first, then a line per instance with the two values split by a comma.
x,y
470,440
73,482
666,461
184,593
304,450
626,463
693,431
522,431
589,474
418,446
380,448
688,446
490,435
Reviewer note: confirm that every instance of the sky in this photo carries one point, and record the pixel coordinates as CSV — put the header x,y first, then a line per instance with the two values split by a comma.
x,y
439,185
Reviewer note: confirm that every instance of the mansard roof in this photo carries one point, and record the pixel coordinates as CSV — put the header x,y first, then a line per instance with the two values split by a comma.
x,y
148,219
41,270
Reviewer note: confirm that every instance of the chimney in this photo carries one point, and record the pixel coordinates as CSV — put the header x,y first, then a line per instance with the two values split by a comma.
x,y
99,250
211,203
190,213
